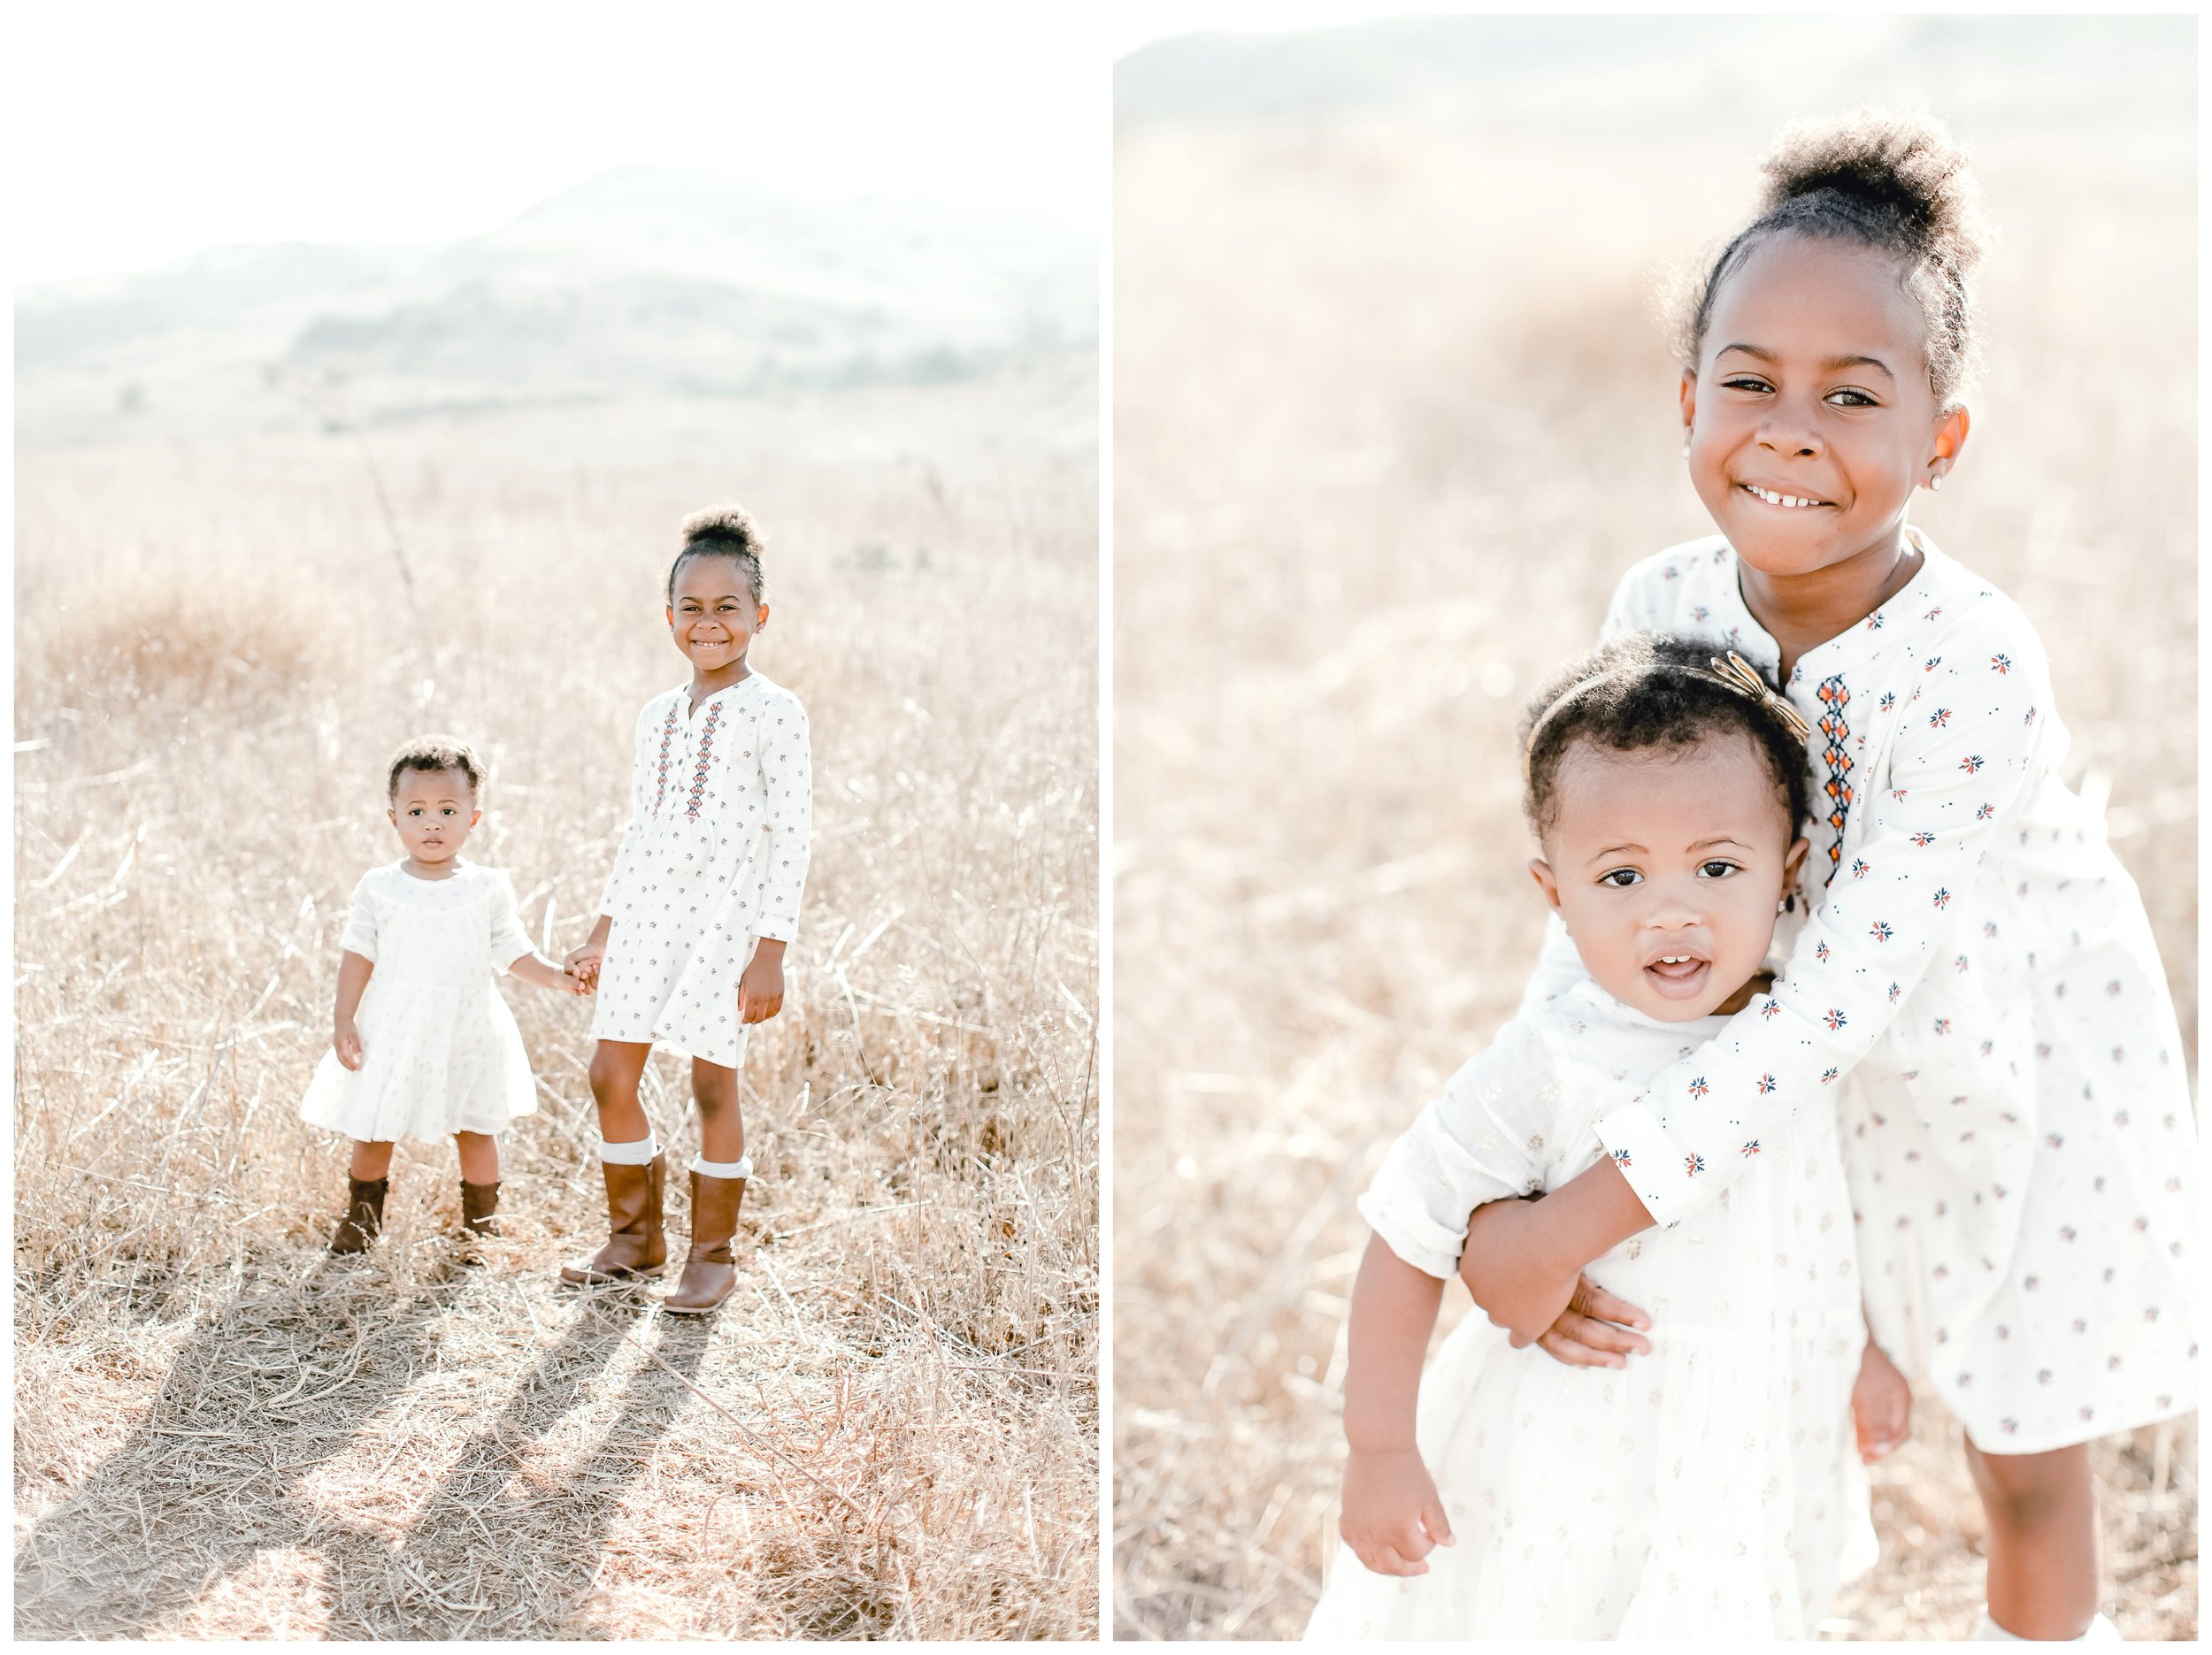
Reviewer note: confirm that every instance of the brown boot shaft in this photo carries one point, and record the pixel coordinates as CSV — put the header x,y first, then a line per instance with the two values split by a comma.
x,y
636,1243
480,1207
365,1214
708,1277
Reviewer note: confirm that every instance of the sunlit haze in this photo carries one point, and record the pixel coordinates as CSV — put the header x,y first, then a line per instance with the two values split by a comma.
x,y
141,136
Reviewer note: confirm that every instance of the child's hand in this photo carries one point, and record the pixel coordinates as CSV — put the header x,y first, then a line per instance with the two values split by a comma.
x,y
577,982
760,990
1512,1276
1594,1330
1393,1518
345,1039
582,963
1881,1406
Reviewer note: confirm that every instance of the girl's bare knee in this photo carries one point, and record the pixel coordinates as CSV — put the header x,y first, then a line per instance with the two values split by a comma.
x,y
2030,1491
714,1088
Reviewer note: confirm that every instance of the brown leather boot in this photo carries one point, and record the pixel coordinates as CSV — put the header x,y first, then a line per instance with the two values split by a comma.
x,y
480,1207
636,1245
708,1277
365,1214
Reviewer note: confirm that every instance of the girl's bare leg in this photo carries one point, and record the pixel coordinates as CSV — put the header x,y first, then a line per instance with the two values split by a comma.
x,y
2042,1512
721,1123
371,1162
480,1157
616,1066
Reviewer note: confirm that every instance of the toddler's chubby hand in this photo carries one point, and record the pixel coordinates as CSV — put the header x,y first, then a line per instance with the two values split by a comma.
x,y
1881,1406
345,1039
1393,1518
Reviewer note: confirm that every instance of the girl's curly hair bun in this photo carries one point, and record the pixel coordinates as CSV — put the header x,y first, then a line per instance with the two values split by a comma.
x,y
730,522
1906,172
724,531
1888,179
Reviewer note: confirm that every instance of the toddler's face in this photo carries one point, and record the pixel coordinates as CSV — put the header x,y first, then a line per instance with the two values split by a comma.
x,y
433,811
1812,385
714,616
1666,864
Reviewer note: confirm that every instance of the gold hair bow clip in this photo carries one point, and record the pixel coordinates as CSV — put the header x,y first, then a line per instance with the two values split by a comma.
x,y
1733,670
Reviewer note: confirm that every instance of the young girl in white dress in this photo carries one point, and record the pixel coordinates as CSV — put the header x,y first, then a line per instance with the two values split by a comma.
x,y
1977,987
422,1046
1710,1491
704,895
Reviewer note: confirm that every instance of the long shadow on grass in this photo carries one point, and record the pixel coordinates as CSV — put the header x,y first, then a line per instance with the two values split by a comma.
x,y
272,1386
502,1549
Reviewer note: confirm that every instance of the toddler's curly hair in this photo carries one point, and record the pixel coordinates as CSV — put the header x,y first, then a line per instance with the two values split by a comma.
x,y
1649,690
724,531
1886,179
435,754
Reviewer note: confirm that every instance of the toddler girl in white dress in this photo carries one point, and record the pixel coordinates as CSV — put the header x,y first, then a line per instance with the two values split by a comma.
x,y
421,1046
704,895
1708,1490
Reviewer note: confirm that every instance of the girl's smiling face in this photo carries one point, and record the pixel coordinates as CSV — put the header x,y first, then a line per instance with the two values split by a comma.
x,y
714,615
1667,864
1809,415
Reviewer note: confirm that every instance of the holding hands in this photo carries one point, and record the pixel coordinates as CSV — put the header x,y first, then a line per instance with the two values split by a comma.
x,y
582,962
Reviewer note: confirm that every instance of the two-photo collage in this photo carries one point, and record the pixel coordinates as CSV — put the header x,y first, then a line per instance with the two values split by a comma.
x,y
1213,821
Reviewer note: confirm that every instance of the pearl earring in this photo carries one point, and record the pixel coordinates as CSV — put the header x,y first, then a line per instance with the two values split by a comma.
x,y
1935,482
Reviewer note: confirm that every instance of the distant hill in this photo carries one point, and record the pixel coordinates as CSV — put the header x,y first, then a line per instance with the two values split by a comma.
x,y
637,282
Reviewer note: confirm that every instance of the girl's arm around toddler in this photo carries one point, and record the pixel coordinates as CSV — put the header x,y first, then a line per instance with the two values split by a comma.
x,y
1969,746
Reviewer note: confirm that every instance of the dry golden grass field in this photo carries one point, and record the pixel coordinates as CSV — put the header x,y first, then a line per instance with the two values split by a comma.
x,y
891,1429
1392,415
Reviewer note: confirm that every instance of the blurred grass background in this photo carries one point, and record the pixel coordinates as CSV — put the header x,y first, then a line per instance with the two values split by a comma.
x,y
1392,414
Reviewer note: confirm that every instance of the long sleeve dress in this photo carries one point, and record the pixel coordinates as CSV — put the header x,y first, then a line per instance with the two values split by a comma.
x,y
1709,1489
439,1051
713,858
1977,989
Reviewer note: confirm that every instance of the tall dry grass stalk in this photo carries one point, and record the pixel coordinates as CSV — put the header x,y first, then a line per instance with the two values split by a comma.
x,y
1393,415
891,1430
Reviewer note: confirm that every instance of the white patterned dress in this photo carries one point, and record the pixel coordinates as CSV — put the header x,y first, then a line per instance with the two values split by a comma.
x,y
1710,1490
440,1052
714,857
1978,990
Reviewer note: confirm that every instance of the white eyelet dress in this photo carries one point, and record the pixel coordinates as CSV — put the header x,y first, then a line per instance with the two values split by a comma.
x,y
715,856
1710,1490
440,1052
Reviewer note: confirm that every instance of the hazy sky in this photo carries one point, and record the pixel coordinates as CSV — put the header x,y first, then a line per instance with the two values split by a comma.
x,y
140,133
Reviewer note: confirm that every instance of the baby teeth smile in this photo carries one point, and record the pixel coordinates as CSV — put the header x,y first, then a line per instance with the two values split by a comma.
x,y
1773,499
1674,958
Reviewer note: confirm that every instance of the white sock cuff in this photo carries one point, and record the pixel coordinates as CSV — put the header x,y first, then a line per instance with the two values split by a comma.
x,y
741,1168
638,1154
